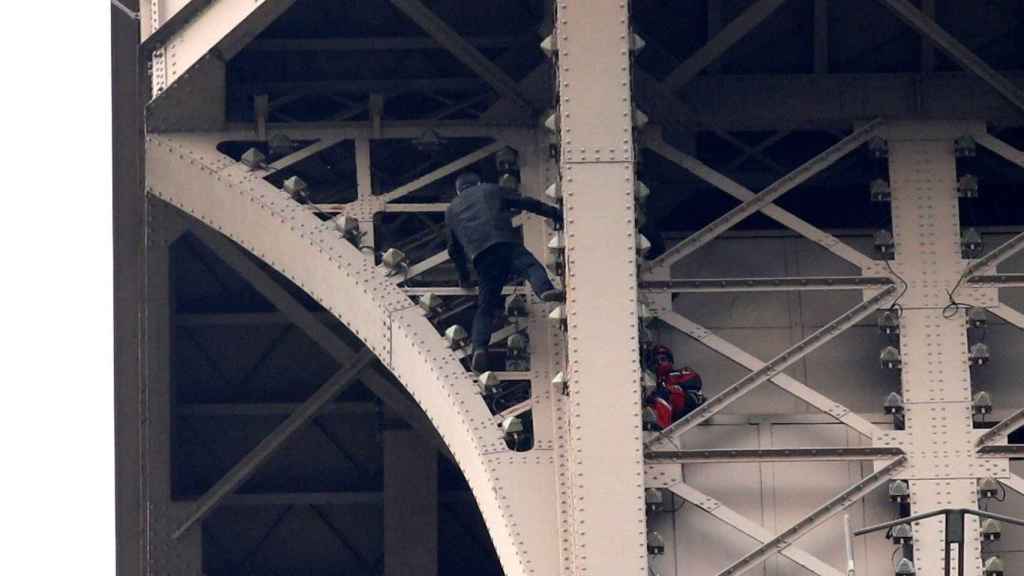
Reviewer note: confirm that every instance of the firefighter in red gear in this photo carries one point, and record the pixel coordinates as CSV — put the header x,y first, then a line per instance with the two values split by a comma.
x,y
679,388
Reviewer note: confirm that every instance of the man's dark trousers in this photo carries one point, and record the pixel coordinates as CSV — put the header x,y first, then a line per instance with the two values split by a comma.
x,y
497,266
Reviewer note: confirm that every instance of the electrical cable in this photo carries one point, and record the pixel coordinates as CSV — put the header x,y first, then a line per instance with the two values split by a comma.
x,y
951,310
895,306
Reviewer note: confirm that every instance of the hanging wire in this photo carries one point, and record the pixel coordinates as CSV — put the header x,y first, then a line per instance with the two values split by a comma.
x,y
951,310
895,306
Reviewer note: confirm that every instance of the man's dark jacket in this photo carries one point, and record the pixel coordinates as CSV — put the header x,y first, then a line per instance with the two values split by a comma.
x,y
481,216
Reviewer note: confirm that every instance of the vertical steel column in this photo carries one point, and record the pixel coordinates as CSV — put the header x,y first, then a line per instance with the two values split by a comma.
x,y
935,373
410,505
547,351
596,126
547,341
165,555
364,189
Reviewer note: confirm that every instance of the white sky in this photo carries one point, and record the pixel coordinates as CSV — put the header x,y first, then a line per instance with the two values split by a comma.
x,y
56,290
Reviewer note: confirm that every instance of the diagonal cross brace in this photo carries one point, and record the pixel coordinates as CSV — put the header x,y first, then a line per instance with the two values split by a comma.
x,y
309,323
468,54
749,527
1010,315
840,502
734,189
783,381
927,27
771,369
993,258
303,153
1004,427
720,44
788,182
1001,148
267,447
451,167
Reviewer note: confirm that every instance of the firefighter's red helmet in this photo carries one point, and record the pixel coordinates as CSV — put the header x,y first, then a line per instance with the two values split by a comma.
x,y
661,350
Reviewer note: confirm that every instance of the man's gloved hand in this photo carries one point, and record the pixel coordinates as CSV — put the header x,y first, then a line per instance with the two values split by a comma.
x,y
465,282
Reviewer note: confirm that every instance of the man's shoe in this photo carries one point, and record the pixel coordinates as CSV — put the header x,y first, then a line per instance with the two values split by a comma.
x,y
553,295
479,362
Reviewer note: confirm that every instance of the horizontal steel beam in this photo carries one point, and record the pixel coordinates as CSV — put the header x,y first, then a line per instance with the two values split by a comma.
x,y
390,43
373,497
456,291
360,87
765,284
738,102
838,503
416,208
771,455
271,409
240,319
390,130
771,369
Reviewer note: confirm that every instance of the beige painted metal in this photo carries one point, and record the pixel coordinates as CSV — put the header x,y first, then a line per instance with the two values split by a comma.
x,y
936,378
227,25
770,369
606,510
513,490
746,526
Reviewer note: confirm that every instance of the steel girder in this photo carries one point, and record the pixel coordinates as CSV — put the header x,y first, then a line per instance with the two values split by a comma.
x,y
607,524
190,52
515,492
765,198
770,370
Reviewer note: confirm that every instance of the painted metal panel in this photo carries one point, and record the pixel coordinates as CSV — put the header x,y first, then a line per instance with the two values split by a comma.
x,y
608,519
936,378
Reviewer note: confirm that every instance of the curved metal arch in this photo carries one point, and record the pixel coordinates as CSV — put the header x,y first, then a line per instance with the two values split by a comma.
x,y
515,491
